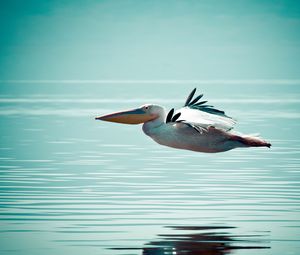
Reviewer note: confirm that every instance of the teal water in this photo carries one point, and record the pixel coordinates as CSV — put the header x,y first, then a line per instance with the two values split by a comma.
x,y
73,185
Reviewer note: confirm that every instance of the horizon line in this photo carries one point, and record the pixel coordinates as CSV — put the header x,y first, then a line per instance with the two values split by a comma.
x,y
159,81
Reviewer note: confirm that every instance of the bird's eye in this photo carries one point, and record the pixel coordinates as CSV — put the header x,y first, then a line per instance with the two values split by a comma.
x,y
146,107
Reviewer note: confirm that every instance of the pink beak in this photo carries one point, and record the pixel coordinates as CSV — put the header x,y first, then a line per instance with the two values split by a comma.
x,y
135,116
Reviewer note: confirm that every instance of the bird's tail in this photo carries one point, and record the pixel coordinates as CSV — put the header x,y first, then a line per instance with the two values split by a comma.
x,y
250,141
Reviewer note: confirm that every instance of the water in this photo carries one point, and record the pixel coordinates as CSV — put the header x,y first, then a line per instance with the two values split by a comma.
x,y
73,185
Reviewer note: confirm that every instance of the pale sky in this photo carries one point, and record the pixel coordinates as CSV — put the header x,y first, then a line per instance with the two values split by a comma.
x,y
149,40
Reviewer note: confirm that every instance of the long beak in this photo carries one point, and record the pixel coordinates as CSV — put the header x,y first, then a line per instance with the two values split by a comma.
x,y
135,116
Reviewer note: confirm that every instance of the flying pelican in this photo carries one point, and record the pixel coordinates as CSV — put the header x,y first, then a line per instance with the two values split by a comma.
x,y
196,127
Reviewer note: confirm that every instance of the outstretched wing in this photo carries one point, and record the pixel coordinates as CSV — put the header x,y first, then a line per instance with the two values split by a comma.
x,y
200,116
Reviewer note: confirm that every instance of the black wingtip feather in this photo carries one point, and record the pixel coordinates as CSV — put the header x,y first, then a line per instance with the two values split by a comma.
x,y
208,109
200,103
170,115
188,100
176,116
192,103
196,99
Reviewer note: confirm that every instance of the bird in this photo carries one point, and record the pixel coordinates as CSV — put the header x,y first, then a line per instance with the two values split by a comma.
x,y
197,126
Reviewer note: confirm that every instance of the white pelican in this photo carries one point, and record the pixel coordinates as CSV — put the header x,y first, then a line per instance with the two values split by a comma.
x,y
196,127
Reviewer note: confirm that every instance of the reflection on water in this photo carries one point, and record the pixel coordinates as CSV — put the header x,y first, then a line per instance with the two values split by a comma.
x,y
71,185
205,240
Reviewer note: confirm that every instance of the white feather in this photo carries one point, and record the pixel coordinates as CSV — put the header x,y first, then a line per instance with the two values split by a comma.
x,y
205,119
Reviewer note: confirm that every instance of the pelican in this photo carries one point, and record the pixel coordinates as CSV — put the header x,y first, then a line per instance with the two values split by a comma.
x,y
196,126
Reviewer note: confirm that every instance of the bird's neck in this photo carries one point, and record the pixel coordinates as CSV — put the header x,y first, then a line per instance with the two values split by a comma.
x,y
150,126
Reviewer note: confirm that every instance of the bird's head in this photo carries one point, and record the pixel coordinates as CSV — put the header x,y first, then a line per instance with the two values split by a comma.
x,y
138,115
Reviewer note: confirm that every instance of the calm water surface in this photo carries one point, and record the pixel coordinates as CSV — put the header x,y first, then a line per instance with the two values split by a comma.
x,y
73,185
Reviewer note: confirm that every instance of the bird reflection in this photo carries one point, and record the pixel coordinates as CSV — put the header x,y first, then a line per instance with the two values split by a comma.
x,y
203,240
200,240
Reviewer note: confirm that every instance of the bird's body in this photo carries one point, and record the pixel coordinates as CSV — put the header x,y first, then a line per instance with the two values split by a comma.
x,y
180,136
196,127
